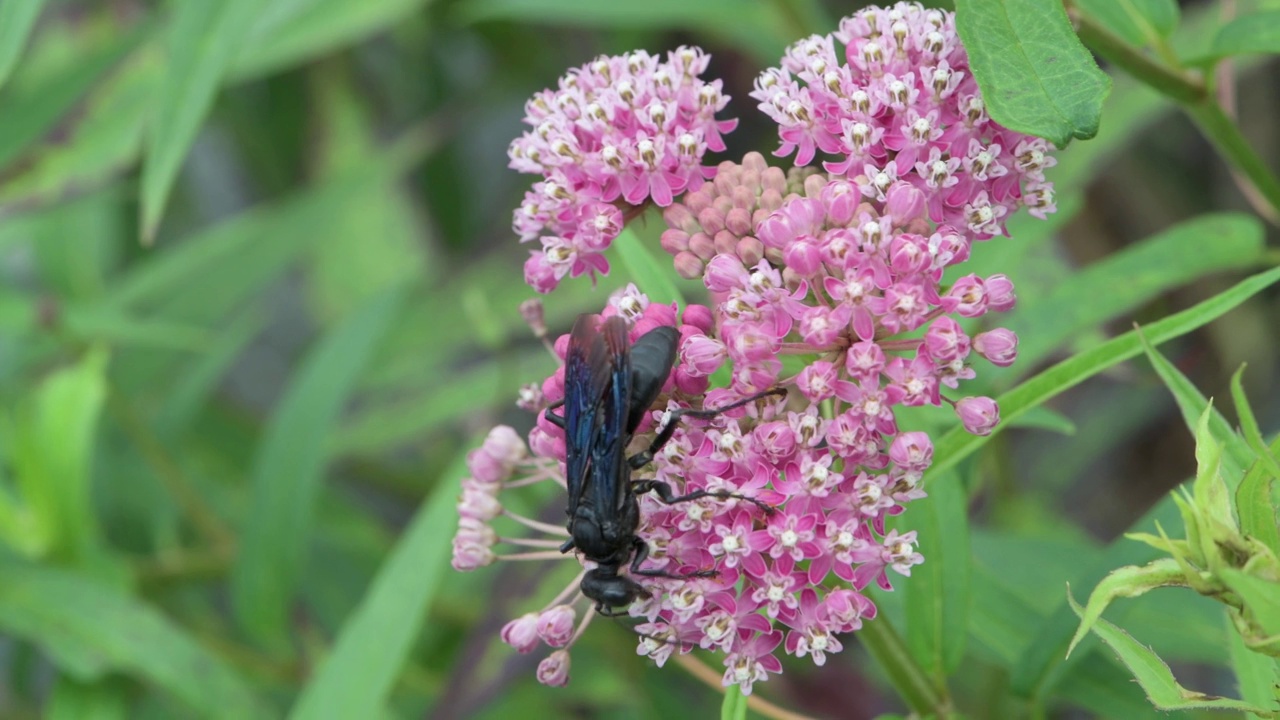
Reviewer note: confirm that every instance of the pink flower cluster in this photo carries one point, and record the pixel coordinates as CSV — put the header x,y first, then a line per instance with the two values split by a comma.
x,y
617,132
899,104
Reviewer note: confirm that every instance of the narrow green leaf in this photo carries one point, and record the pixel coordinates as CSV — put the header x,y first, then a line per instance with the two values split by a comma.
x,y
17,18
957,444
1249,426
374,643
1194,405
734,706
1036,77
102,700
1043,418
1256,505
1126,582
759,27
1139,22
197,382
91,630
288,34
937,594
1256,673
1261,598
204,38
289,467
1256,33
652,276
1154,675
1128,279
53,450
99,323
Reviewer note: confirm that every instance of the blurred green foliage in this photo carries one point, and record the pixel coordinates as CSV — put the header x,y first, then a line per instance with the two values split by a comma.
x,y
258,296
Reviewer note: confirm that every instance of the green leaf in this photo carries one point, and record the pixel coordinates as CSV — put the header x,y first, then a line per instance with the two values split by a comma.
x,y
757,26
103,700
1256,505
957,444
1154,676
197,382
204,38
288,34
1256,33
374,643
1249,426
1128,279
652,276
1126,582
91,630
1261,598
1043,418
289,467
1036,77
937,594
53,449
1256,673
1139,22
28,112
17,18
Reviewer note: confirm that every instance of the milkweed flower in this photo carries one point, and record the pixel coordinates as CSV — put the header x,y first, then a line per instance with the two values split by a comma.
x,y
840,267
617,132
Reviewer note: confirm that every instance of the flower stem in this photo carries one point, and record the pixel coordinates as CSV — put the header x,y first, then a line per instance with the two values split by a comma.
x,y
1191,92
711,678
908,678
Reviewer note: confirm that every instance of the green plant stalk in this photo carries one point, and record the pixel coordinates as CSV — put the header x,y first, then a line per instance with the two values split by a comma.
x,y
1193,95
910,681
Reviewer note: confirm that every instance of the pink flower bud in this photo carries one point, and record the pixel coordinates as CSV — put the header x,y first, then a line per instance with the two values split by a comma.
x,y
688,383
555,625
701,244
738,221
1000,346
945,341
840,198
678,216
701,355
803,256
911,451
750,250
554,670
688,265
468,556
486,468
774,440
979,415
724,273
711,220
505,444
904,203
1000,295
531,311
674,241
699,316
539,274
478,504
522,633
657,314
545,444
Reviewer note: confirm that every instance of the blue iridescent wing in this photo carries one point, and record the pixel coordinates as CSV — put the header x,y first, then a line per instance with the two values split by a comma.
x,y
608,453
586,374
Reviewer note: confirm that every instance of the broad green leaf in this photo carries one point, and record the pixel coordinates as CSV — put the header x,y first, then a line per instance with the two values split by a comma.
x,y
287,34
762,28
1036,77
53,442
1256,673
1124,281
1154,675
957,444
1261,598
937,594
651,274
29,111
1139,22
102,700
1194,405
17,18
203,40
374,643
105,138
289,467
735,704
1256,33
90,630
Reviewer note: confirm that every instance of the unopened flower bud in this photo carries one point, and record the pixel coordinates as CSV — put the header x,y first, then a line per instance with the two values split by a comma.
x,y
1000,346
700,244
1000,295
911,451
698,316
554,670
750,250
531,311
675,241
701,355
980,415
738,221
555,625
688,265
522,633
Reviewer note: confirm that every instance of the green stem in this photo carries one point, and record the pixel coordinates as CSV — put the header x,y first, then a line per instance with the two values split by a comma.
x,y
1190,91
908,678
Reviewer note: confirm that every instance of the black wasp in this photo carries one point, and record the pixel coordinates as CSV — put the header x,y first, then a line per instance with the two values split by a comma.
x,y
609,384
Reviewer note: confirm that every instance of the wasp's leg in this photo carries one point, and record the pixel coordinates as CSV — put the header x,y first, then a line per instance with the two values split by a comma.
x,y
669,497
557,420
645,457
567,546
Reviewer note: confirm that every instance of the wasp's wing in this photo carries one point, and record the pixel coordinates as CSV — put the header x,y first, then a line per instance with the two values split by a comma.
x,y
608,454
586,375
